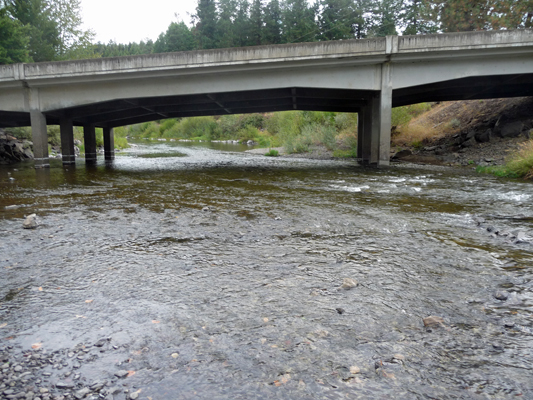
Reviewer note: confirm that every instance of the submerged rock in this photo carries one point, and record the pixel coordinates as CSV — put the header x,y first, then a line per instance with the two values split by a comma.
x,y
433,321
348,284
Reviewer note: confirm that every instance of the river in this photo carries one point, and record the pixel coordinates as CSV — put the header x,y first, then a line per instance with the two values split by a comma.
x,y
211,273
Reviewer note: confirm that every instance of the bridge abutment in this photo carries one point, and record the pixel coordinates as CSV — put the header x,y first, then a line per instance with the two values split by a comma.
x,y
109,144
67,142
89,141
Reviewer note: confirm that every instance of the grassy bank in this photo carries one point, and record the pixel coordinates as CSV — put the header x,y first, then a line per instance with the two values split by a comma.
x,y
519,165
297,131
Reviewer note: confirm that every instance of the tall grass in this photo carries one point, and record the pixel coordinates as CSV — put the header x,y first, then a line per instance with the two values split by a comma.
x,y
518,165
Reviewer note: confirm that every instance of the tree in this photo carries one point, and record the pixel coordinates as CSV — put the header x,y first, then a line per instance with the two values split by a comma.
x,y
35,16
242,25
417,18
272,19
225,29
13,40
298,21
256,22
205,20
385,17
74,42
337,19
178,37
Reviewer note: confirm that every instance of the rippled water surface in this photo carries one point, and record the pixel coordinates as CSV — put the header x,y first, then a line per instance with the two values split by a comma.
x,y
217,275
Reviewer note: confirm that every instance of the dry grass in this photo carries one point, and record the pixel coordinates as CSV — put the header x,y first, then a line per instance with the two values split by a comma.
x,y
428,127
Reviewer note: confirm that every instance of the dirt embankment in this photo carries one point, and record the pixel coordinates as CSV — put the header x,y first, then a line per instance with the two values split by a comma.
x,y
474,132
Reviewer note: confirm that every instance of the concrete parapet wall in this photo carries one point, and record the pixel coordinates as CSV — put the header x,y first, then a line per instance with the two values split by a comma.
x,y
203,58
465,41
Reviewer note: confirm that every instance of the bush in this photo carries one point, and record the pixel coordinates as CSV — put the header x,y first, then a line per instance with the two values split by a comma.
x,y
272,153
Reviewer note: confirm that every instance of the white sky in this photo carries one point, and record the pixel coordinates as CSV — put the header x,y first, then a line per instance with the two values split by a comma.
x,y
126,21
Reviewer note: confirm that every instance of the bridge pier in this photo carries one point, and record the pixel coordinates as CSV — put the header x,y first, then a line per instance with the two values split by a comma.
x,y
40,139
67,141
374,124
109,144
89,141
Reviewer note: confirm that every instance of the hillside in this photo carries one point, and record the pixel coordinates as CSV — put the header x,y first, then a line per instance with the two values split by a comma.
x,y
474,132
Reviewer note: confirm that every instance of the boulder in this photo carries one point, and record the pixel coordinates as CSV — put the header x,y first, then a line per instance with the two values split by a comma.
x,y
484,137
512,129
401,154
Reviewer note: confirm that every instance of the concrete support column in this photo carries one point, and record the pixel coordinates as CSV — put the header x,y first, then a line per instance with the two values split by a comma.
x,y
360,129
89,141
67,141
385,114
109,144
367,134
38,128
40,139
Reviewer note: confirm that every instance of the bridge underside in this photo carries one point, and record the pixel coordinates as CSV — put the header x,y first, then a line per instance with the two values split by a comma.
x,y
373,108
472,88
122,112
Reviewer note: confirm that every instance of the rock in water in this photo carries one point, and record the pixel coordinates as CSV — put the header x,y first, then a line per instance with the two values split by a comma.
x,y
30,222
433,321
501,295
348,283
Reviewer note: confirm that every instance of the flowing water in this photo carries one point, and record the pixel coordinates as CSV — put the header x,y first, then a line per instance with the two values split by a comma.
x,y
217,274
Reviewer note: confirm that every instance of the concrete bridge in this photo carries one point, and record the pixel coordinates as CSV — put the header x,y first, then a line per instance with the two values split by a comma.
x,y
367,76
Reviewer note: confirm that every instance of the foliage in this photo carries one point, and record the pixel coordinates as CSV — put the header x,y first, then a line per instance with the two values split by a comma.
x,y
272,153
13,40
178,37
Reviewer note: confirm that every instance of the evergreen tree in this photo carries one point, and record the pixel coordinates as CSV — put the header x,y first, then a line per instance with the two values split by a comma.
x,y
178,37
385,17
206,22
417,18
256,22
298,21
226,35
13,40
242,25
272,19
337,19
464,15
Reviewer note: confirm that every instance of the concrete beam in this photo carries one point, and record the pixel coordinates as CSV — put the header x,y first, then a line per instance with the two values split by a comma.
x,y
109,144
89,141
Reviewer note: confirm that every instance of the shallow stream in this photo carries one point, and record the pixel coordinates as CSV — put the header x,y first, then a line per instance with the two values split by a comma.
x,y
217,274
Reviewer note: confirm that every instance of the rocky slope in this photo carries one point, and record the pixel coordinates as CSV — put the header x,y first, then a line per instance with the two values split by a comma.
x,y
486,132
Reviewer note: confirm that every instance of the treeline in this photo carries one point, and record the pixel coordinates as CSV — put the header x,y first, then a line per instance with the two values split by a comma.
x,y
48,30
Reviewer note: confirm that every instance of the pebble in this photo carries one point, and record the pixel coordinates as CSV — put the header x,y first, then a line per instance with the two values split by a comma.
x,y
80,394
18,368
348,283
121,374
501,295
432,321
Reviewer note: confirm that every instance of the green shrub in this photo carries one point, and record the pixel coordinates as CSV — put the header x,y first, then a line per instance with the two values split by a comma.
x,y
272,153
352,153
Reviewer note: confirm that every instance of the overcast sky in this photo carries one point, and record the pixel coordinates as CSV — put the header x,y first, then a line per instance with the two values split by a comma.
x,y
127,21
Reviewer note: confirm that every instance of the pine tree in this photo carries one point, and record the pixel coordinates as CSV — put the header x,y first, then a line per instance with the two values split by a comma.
x,y
272,27
298,21
337,19
242,25
226,23
256,22
205,20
